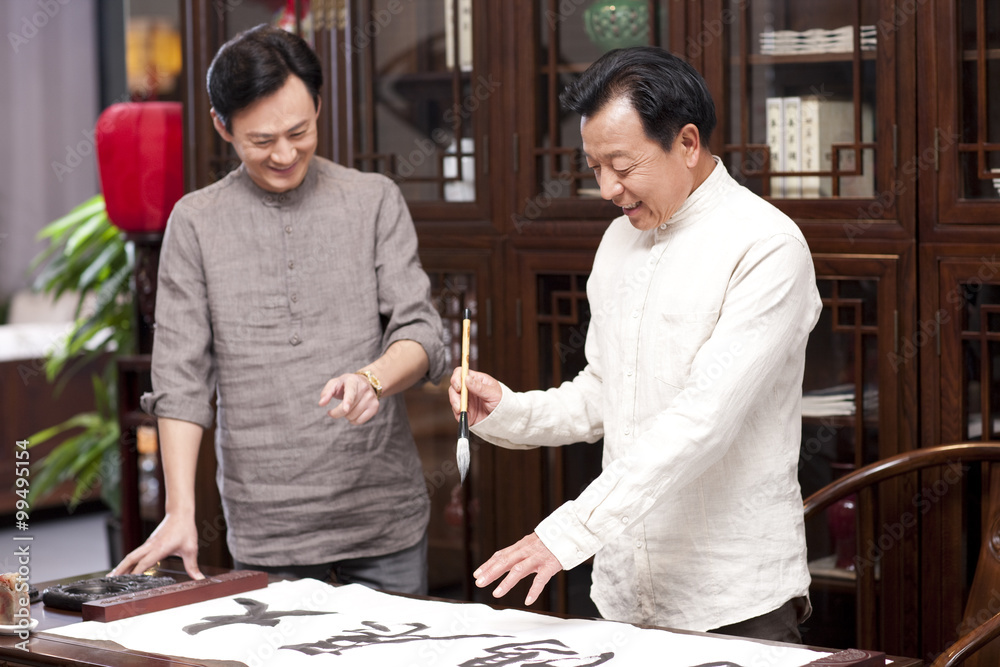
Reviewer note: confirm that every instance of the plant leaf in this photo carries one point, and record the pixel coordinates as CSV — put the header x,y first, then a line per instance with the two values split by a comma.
x,y
72,219
83,420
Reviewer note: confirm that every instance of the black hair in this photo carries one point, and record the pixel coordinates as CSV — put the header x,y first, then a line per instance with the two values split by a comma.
x,y
255,64
666,92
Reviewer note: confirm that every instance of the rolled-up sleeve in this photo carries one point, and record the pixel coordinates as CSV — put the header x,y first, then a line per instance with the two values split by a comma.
x,y
183,372
403,287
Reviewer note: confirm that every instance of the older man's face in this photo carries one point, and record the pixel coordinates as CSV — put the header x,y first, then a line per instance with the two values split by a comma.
x,y
635,172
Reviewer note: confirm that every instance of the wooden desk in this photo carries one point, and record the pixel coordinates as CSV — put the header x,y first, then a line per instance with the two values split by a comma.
x,y
54,650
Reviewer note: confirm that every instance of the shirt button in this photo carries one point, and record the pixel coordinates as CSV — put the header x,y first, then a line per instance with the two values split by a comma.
x,y
626,430
663,226
628,372
295,298
291,264
288,229
294,340
635,313
625,520
638,544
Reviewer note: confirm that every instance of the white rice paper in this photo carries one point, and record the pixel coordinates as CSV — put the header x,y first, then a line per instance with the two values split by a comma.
x,y
362,627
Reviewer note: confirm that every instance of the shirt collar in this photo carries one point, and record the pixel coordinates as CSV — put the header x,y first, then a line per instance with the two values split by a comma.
x,y
279,199
705,197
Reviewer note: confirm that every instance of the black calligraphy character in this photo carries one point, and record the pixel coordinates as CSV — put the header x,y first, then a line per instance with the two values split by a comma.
x,y
256,614
534,654
337,644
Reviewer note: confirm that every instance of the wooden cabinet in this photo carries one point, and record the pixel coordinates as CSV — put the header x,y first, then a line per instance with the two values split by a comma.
x,y
959,239
890,169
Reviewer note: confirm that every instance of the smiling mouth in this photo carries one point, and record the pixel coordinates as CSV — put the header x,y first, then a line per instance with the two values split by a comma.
x,y
284,170
631,207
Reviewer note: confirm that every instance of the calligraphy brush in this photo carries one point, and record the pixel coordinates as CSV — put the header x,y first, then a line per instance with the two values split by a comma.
x,y
462,452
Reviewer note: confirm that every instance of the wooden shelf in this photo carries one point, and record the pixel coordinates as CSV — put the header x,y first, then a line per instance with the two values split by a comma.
x,y
973,54
844,421
803,58
568,68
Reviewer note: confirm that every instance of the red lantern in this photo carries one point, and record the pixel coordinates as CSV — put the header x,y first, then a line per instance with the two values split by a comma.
x,y
140,157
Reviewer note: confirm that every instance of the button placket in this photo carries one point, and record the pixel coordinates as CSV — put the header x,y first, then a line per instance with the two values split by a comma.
x,y
290,241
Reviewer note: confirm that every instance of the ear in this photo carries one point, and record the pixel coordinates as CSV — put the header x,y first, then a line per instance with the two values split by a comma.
x,y
688,141
319,105
220,127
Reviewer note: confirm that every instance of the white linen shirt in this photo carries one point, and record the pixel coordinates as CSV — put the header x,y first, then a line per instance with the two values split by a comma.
x,y
695,353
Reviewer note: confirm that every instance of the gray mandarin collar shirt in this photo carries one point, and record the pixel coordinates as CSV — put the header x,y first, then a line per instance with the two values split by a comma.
x,y
263,298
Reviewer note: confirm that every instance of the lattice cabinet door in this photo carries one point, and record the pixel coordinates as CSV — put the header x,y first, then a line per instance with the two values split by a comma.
x,y
850,411
406,92
551,316
962,132
961,379
417,101
556,40
461,524
806,93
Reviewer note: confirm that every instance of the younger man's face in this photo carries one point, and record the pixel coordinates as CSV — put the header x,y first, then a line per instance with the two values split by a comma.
x,y
275,136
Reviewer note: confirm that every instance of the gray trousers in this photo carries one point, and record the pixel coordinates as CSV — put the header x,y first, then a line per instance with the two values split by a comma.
x,y
780,625
400,572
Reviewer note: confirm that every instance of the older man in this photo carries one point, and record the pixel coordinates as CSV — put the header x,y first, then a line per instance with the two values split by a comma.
x,y
703,296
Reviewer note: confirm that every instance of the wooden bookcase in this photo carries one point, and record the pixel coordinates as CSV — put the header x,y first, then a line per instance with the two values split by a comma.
x,y
464,115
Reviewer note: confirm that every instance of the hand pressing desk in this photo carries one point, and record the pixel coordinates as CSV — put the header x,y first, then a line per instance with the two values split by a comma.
x,y
388,632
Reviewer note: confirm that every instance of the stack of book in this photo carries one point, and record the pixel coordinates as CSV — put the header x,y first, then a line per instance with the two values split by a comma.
x,y
830,402
801,134
837,401
817,40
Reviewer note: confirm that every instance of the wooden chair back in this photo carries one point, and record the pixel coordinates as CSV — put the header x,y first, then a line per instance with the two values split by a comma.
x,y
981,623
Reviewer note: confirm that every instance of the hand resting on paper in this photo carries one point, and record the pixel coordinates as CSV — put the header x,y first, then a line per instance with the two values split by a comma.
x,y
525,557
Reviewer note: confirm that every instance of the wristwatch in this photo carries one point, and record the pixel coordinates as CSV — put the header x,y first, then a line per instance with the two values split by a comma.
x,y
373,381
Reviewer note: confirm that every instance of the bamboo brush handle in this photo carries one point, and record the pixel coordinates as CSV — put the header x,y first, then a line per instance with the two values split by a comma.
x,y
465,361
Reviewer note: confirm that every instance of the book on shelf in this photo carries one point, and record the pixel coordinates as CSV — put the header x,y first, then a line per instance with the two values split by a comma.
x,y
825,122
792,115
775,142
817,40
838,401
464,8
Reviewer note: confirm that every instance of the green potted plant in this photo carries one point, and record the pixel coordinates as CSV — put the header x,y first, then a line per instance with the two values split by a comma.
x,y
87,255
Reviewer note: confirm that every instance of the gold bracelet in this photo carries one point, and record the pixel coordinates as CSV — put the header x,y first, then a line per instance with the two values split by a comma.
x,y
373,381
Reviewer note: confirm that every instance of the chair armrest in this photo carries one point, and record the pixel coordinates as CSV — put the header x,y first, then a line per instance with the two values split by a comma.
x,y
963,649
